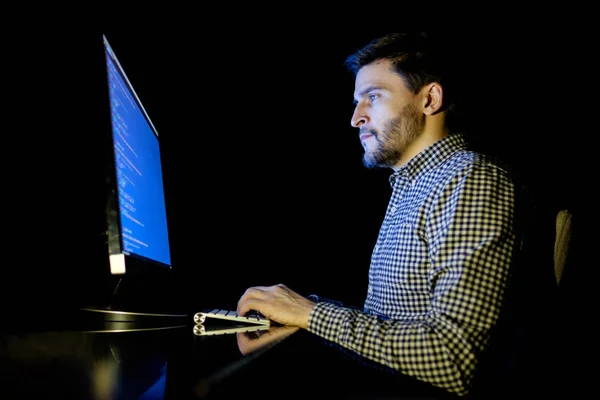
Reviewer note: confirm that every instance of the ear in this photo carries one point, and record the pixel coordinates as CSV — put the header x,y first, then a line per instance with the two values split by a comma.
x,y
433,97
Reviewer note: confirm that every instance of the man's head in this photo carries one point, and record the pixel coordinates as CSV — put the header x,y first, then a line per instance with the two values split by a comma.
x,y
403,94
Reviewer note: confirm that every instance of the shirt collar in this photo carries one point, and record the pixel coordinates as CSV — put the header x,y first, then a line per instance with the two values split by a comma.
x,y
430,158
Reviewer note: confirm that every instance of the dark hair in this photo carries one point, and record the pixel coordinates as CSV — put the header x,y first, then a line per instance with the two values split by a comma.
x,y
419,58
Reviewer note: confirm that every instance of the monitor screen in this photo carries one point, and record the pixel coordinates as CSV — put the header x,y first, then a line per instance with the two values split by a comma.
x,y
137,216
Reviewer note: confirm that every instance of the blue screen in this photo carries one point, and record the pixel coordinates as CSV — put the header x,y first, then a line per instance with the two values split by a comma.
x,y
139,171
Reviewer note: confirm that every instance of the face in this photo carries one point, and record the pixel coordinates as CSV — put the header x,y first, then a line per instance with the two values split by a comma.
x,y
386,114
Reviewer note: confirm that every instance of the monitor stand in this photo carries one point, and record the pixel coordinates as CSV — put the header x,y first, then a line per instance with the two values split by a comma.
x,y
136,299
110,315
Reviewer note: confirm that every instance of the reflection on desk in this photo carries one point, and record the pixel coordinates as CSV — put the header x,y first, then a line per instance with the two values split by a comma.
x,y
252,343
249,342
118,362
170,362
208,330
288,362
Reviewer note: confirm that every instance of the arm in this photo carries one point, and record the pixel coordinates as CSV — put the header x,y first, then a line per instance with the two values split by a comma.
x,y
281,304
471,245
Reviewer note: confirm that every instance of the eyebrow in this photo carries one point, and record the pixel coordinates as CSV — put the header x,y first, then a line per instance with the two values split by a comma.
x,y
366,90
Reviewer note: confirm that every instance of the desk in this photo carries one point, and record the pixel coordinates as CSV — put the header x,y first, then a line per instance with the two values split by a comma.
x,y
171,362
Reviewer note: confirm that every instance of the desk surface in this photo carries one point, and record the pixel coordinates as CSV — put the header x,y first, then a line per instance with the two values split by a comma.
x,y
154,361
158,362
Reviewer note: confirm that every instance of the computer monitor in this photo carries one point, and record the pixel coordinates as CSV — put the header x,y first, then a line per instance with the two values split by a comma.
x,y
138,237
138,247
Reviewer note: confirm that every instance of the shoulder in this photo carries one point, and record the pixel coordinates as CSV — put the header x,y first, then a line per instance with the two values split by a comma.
x,y
476,167
470,174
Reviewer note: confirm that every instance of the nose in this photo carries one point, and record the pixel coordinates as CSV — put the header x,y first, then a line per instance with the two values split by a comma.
x,y
359,117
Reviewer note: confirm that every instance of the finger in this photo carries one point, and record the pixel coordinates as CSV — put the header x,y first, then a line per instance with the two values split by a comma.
x,y
253,293
247,305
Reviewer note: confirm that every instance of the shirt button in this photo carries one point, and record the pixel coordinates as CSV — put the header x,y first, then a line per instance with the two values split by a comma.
x,y
394,209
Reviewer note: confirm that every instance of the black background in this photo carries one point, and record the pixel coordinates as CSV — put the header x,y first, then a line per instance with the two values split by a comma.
x,y
263,171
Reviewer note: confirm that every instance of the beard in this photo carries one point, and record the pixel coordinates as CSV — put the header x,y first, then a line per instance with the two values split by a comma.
x,y
396,135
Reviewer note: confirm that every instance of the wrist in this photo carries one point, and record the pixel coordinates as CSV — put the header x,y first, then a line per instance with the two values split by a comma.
x,y
307,307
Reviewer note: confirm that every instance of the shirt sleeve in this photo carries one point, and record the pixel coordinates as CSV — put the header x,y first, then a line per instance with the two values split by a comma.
x,y
471,241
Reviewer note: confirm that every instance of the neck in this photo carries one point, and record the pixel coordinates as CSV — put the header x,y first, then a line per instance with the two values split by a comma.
x,y
433,130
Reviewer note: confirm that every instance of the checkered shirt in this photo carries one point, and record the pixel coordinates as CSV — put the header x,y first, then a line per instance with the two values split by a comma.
x,y
439,269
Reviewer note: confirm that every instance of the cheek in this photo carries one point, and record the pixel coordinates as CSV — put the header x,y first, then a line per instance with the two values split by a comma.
x,y
381,116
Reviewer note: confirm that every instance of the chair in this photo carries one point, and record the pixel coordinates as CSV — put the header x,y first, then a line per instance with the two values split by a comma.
x,y
575,260
562,242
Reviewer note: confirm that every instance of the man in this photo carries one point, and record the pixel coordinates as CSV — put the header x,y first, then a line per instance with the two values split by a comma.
x,y
443,265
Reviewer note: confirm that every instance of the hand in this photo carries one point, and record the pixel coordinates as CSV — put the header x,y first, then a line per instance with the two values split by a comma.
x,y
278,303
252,341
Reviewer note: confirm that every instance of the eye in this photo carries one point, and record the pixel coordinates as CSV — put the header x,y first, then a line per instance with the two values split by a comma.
x,y
373,97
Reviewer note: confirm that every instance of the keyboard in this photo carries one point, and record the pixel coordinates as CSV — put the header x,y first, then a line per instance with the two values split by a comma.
x,y
252,317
